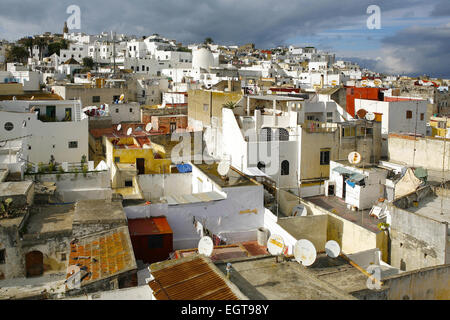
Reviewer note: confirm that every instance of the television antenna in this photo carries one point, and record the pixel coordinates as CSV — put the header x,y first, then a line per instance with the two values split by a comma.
x,y
205,246
304,252
275,245
332,249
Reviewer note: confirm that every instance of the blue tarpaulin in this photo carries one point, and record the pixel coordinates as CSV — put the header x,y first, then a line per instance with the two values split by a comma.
x,y
184,168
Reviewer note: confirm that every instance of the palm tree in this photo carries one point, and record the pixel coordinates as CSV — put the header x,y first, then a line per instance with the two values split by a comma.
x,y
27,43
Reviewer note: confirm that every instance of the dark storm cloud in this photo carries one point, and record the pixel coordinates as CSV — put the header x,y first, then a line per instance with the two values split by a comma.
x,y
441,9
418,50
263,22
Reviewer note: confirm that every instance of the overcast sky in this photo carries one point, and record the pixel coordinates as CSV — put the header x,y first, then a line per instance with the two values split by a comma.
x,y
414,37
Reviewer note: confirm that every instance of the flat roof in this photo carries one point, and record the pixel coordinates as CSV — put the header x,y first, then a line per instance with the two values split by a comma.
x,y
19,188
238,250
263,279
99,211
432,206
235,179
50,219
338,207
274,97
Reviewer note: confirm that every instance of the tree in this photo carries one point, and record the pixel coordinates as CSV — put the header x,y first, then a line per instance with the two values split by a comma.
x,y
208,40
27,43
17,54
56,47
88,63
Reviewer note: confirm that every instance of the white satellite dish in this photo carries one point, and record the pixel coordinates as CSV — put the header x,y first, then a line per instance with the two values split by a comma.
x,y
275,245
148,127
304,252
223,168
354,158
269,91
205,246
129,131
332,249
370,116
299,211
119,127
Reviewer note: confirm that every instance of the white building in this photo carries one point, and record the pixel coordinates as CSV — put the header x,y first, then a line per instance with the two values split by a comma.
x,y
62,133
20,74
397,117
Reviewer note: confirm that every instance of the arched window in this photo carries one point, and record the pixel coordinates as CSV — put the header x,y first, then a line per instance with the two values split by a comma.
x,y
285,168
282,134
266,134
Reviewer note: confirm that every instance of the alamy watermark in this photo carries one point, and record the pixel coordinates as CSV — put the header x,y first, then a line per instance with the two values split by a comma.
x,y
74,20
374,20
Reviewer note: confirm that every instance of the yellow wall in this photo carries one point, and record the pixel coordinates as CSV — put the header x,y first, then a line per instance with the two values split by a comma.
x,y
152,165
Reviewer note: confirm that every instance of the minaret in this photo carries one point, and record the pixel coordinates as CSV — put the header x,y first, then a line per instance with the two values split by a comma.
x,y
65,29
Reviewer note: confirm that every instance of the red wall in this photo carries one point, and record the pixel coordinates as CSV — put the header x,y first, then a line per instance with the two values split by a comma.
x,y
142,251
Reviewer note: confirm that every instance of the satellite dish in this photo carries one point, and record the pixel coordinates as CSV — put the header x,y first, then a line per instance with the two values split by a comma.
x,y
304,252
332,249
148,127
129,131
299,211
269,91
370,116
32,98
354,158
205,246
275,245
223,168
119,127
361,113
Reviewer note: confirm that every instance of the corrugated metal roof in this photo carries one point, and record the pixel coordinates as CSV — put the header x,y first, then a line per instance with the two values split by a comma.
x,y
150,226
343,170
190,280
194,198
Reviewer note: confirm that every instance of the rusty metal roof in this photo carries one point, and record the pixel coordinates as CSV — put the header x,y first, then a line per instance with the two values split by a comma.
x,y
194,279
149,226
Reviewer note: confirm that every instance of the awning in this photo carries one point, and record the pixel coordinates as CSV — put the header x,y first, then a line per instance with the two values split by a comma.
x,y
357,177
342,170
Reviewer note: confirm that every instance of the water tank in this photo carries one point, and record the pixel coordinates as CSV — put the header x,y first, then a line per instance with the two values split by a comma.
x,y
262,236
202,58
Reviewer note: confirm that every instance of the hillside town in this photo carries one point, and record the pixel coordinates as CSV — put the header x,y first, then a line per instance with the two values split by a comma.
x,y
142,168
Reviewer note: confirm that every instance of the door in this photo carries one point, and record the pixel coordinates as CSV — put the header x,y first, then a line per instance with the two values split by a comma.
x,y
140,165
34,263
173,127
344,187
50,112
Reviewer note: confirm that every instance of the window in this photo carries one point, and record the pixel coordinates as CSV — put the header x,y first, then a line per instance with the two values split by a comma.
x,y
2,256
96,99
9,126
116,159
310,118
422,116
283,134
73,144
117,110
63,257
156,241
324,157
348,132
285,168
131,110
409,114
266,134
329,116
205,107
128,183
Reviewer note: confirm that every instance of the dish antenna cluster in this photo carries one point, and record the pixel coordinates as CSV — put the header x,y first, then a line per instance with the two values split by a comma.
x,y
223,168
205,246
305,253
354,158
332,249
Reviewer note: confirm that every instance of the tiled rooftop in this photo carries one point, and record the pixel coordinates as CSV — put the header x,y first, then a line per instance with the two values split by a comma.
x,y
104,255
